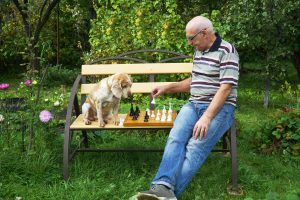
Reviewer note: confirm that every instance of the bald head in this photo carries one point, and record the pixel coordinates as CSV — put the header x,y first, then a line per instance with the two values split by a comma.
x,y
199,23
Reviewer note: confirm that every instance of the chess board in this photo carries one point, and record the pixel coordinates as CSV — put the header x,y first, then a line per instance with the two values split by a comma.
x,y
128,122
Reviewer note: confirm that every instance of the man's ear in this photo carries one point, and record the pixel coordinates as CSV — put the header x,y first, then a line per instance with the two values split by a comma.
x,y
116,89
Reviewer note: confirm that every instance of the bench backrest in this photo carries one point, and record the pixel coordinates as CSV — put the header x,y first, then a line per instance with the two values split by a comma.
x,y
135,69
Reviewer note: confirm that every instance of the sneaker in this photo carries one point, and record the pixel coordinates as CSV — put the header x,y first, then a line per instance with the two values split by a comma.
x,y
157,192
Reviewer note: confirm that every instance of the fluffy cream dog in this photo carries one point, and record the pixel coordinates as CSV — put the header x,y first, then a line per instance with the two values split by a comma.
x,y
104,99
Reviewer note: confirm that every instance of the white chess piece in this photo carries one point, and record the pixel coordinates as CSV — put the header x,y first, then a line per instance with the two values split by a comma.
x,y
170,108
158,113
169,117
153,101
121,121
164,110
163,118
157,118
152,114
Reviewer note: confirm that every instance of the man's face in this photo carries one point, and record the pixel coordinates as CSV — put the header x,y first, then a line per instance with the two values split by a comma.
x,y
196,38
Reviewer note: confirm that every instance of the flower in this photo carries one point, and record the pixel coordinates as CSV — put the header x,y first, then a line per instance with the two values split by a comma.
x,y
1,118
4,86
45,116
34,82
28,82
56,103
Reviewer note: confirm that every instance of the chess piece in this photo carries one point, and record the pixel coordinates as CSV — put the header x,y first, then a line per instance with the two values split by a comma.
x,y
163,118
157,113
137,110
164,110
169,119
146,115
146,120
131,110
157,117
170,108
121,121
153,101
152,114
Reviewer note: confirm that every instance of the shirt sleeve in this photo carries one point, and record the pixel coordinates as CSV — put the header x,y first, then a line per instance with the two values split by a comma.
x,y
229,69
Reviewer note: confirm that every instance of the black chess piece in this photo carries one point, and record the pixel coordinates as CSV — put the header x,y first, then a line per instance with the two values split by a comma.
x,y
137,110
135,117
131,110
137,113
146,120
146,115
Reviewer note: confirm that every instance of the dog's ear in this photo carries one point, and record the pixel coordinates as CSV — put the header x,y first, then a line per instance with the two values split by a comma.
x,y
116,88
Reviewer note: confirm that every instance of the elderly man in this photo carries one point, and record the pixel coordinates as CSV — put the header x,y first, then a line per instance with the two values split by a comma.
x,y
205,118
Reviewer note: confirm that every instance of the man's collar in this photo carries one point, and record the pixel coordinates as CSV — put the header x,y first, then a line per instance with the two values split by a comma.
x,y
216,44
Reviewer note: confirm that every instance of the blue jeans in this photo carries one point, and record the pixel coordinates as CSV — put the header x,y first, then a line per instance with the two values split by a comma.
x,y
184,155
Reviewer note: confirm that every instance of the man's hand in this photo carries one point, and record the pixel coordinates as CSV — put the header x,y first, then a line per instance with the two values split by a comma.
x,y
158,91
201,127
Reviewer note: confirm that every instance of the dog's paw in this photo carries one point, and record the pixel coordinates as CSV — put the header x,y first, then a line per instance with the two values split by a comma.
x,y
116,121
101,123
87,122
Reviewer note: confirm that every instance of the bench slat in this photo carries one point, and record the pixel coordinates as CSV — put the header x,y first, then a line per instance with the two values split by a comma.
x,y
141,68
136,87
78,124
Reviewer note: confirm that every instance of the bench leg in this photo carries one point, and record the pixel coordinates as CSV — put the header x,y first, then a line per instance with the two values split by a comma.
x,y
234,188
67,139
85,141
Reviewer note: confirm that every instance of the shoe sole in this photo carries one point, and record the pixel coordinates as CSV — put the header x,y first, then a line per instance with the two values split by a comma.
x,y
142,196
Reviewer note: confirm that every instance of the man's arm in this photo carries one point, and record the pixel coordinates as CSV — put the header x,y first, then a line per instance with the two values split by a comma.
x,y
202,125
182,86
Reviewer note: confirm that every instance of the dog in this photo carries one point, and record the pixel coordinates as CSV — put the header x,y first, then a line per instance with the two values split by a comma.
x,y
104,99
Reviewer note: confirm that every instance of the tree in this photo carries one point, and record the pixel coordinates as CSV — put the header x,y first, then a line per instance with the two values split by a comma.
x,y
33,27
268,28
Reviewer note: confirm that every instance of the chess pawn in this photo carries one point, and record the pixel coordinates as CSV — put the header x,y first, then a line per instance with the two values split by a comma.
x,y
169,117
164,110
157,117
152,114
163,118
121,121
158,113
170,108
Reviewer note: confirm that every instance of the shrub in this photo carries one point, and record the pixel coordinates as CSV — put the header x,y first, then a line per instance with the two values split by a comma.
x,y
282,133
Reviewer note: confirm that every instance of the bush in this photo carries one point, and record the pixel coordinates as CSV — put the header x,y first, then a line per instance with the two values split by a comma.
x,y
58,75
282,133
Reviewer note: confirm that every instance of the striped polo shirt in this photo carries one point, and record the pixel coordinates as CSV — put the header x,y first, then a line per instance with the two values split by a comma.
x,y
213,67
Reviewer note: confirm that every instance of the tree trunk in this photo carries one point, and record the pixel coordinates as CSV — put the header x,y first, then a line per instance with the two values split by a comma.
x,y
296,62
267,92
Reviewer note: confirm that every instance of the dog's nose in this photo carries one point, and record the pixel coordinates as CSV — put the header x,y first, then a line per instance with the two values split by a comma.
x,y
129,93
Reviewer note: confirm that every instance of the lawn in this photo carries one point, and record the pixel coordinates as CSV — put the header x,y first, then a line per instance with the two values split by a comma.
x,y
37,173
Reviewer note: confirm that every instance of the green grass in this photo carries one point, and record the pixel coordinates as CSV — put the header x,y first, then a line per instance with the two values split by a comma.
x,y
38,174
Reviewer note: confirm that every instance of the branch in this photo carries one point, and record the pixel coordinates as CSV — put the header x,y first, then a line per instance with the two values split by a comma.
x,y
24,16
43,19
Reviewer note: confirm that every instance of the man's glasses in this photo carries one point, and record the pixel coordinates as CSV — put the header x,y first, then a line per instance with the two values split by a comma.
x,y
192,37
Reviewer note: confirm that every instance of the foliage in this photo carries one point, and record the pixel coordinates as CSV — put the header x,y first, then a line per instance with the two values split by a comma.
x,y
59,75
20,108
264,29
37,174
73,34
149,25
282,132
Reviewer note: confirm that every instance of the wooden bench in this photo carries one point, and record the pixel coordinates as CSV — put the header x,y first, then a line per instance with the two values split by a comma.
x,y
142,67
